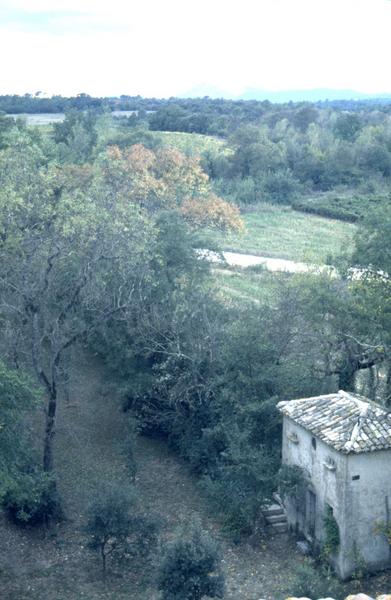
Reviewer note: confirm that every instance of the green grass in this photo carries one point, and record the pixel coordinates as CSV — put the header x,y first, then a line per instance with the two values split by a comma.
x,y
190,143
284,233
248,285
345,207
40,119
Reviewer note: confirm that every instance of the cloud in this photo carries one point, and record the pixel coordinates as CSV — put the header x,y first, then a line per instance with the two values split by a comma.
x,y
60,22
31,6
166,48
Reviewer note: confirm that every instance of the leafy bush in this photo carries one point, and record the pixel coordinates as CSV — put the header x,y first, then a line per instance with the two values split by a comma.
x,y
242,483
280,187
241,190
349,209
332,537
315,583
117,528
18,398
190,568
199,438
33,499
292,481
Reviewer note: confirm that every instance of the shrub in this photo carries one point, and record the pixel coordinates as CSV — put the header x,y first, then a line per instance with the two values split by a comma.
x,y
190,568
349,209
33,499
241,190
332,538
18,399
292,482
332,209
117,528
314,583
241,485
279,187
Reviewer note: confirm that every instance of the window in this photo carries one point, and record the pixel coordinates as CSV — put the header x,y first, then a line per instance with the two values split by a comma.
x,y
330,464
355,477
313,442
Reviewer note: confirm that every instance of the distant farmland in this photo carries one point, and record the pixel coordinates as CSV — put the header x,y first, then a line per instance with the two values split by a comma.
x,y
40,118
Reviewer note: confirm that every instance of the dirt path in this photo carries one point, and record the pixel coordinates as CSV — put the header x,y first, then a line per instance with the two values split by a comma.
x,y
251,573
89,438
90,430
237,259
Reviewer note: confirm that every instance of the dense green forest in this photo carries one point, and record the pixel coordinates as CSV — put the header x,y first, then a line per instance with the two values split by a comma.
x,y
101,222
38,103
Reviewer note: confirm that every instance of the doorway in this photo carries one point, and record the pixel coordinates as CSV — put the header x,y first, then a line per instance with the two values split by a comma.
x,y
311,513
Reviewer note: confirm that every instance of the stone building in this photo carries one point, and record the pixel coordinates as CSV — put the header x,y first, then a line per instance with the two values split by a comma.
x,y
342,442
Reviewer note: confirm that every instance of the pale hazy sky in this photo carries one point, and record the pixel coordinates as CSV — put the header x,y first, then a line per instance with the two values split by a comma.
x,y
170,47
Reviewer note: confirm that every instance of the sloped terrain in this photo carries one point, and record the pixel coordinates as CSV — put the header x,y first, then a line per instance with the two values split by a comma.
x,y
56,565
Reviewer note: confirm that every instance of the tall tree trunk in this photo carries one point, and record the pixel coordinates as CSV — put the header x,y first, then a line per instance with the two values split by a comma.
x,y
103,555
49,380
346,377
48,463
372,379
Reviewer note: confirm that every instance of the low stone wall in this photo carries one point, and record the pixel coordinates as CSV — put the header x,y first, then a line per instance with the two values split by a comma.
x,y
351,597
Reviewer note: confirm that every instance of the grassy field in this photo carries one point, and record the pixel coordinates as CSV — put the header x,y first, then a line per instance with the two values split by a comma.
x,y
40,118
190,143
284,233
248,285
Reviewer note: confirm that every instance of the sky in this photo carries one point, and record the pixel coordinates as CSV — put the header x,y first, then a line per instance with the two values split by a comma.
x,y
165,48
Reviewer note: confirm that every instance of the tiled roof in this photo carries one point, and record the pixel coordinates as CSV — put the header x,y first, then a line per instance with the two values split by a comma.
x,y
347,422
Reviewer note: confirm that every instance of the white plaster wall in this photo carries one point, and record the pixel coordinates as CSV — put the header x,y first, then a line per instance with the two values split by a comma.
x,y
329,486
366,503
357,505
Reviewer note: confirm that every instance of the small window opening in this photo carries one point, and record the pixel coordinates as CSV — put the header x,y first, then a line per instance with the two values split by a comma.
x,y
355,477
313,442
331,531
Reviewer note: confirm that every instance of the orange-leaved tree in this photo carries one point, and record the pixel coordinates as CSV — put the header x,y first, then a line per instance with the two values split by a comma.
x,y
212,211
168,180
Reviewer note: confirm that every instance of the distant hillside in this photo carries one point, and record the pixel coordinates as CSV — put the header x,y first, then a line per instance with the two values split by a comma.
x,y
315,95
198,100
284,96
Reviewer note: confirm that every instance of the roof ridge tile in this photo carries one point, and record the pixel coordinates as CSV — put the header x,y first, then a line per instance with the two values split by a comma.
x,y
348,422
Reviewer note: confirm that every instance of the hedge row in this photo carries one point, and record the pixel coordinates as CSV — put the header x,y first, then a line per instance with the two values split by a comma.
x,y
345,209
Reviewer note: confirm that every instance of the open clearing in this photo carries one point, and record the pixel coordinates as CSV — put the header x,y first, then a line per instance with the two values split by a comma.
x,y
39,118
57,566
191,143
281,232
278,233
249,285
88,450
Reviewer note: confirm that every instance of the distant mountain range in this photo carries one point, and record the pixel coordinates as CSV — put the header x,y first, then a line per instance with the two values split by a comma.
x,y
283,96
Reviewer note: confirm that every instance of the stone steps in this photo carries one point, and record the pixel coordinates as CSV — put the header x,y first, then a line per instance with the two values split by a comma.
x,y
273,509
280,527
275,517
